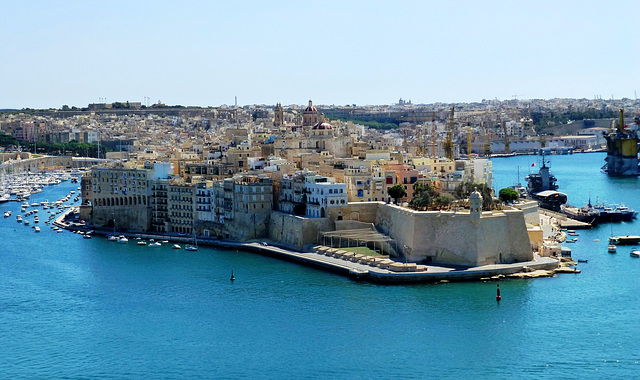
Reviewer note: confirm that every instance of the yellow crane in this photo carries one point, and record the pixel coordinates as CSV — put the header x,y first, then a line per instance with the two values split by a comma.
x,y
433,135
448,143
486,151
469,140
507,143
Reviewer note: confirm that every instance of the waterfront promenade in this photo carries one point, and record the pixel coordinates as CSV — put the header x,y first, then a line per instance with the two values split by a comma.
x,y
332,260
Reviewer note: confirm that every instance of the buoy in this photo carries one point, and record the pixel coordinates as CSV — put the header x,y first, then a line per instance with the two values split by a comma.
x,y
498,296
233,278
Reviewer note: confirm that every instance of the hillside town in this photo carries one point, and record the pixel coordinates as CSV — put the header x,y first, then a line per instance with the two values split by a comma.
x,y
296,174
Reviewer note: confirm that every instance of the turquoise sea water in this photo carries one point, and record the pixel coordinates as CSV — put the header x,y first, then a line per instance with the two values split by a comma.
x,y
78,308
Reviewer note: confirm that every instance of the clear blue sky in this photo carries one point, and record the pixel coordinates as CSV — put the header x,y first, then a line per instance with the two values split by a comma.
x,y
334,52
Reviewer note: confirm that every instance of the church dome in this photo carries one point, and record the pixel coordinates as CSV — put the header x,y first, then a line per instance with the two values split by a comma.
x,y
310,108
322,126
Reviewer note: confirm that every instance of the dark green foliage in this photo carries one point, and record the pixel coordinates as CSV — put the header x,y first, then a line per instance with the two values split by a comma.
x,y
396,192
7,140
508,195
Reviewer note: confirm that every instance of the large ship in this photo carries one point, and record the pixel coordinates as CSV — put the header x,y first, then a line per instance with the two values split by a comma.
x,y
622,149
542,187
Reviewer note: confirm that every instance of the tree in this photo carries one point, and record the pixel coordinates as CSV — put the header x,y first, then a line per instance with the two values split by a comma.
x,y
508,195
396,192
442,201
423,196
465,189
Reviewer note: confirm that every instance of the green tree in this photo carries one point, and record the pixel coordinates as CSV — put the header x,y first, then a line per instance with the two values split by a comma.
x,y
423,196
442,201
465,189
508,195
396,192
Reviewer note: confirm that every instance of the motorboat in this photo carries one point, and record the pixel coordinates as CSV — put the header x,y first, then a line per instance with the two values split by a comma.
x,y
86,236
612,248
155,244
176,246
112,238
191,248
635,253
141,242
123,240
7,214
37,229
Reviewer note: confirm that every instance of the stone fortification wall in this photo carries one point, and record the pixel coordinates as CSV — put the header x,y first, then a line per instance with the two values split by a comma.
x,y
530,211
457,238
352,225
296,231
129,218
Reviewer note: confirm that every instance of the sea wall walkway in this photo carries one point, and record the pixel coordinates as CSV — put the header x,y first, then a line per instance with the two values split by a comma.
x,y
379,270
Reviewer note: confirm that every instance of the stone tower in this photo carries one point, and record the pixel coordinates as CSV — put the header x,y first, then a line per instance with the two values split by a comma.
x,y
475,204
278,119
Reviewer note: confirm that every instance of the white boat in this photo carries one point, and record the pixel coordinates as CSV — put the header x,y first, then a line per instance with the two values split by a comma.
x,y
612,248
142,242
112,238
37,229
176,246
155,244
123,240
7,214
86,236
26,222
635,253
191,248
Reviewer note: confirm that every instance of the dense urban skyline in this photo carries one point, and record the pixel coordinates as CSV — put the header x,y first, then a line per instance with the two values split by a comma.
x,y
374,52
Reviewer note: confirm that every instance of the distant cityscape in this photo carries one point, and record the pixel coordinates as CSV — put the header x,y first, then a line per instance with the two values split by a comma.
x,y
251,172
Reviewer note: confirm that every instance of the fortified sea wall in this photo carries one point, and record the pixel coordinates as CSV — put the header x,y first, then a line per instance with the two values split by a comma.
x,y
296,231
449,238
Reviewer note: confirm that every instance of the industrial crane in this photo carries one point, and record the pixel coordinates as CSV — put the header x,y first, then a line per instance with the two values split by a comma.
x,y
507,143
448,143
486,149
433,135
469,140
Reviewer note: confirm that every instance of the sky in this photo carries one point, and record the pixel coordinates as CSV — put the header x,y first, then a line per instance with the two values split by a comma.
x,y
206,53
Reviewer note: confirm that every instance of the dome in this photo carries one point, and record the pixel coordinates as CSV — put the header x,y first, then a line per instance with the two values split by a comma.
x,y
475,195
322,126
310,108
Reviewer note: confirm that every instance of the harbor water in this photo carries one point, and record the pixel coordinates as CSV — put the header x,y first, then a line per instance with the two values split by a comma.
x,y
90,308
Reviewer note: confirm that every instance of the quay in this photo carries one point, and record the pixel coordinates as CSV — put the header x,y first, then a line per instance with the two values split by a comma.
x,y
562,220
375,269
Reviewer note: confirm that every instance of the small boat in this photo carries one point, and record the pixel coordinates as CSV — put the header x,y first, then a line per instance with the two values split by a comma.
x,y
612,248
37,229
86,236
123,240
571,240
574,234
191,248
7,214
142,242
176,246
635,253
583,261
26,222
155,244
112,238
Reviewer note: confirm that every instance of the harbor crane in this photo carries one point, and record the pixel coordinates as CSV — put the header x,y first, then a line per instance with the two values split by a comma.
x,y
433,135
448,143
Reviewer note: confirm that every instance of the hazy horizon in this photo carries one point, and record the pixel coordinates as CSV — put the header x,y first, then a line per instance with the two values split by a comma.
x,y
198,53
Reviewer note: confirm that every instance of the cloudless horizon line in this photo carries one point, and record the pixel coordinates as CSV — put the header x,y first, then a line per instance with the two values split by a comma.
x,y
146,102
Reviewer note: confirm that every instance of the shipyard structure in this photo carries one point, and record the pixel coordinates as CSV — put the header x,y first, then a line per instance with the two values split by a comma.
x,y
622,149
